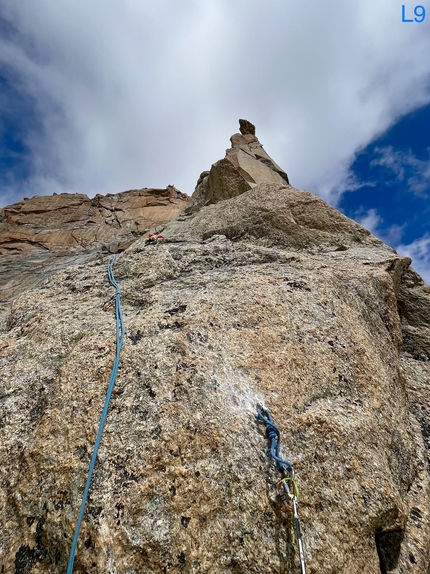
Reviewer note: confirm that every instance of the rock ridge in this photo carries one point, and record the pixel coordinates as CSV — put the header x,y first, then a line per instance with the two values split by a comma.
x,y
246,164
45,233
270,296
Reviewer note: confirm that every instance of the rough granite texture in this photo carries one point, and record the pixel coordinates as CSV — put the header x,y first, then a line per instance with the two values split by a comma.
x,y
246,164
272,297
41,235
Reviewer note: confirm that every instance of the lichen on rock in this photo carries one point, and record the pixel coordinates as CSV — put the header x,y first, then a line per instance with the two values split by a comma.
x,y
269,296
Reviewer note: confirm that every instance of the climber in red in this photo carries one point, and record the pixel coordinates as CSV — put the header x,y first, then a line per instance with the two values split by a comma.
x,y
153,238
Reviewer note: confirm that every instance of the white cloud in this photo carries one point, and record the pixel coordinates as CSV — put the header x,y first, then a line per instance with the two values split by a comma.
x,y
419,252
134,94
371,220
415,172
392,235
391,160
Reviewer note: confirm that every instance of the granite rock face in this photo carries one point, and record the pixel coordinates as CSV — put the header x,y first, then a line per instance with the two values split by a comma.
x,y
43,234
245,127
290,305
245,165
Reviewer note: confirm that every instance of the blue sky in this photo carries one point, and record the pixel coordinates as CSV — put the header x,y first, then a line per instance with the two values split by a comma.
x,y
102,96
390,193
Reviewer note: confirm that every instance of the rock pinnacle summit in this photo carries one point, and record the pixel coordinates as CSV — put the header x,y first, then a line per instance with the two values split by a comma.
x,y
245,127
246,164
259,294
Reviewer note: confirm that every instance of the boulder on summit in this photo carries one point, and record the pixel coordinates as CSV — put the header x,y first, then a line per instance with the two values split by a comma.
x,y
245,165
260,294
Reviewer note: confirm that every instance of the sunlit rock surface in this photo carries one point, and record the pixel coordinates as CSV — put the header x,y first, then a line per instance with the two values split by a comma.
x,y
41,235
246,164
272,297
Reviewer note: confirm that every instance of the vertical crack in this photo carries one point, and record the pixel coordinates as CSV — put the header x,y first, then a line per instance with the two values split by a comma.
x,y
388,546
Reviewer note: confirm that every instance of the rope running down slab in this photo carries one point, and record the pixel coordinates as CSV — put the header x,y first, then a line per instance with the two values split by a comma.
x,y
287,487
120,332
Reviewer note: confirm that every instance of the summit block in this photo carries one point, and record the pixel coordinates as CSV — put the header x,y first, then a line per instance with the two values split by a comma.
x,y
245,165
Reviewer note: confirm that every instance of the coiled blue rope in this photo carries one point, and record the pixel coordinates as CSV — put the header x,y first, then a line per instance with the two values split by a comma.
x,y
274,437
120,332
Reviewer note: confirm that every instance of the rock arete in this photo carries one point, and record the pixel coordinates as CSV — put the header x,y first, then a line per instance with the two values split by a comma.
x,y
42,235
260,293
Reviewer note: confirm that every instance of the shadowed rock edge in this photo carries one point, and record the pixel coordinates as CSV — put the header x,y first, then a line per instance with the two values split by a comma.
x,y
272,297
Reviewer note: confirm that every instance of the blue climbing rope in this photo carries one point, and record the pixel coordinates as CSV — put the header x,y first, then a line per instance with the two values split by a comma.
x,y
120,332
287,487
274,437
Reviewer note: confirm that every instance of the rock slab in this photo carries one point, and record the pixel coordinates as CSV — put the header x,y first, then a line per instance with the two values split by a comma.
x,y
43,234
270,296
245,165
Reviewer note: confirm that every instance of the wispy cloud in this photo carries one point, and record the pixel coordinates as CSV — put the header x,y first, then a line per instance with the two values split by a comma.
x,y
406,167
348,181
371,220
140,93
419,252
